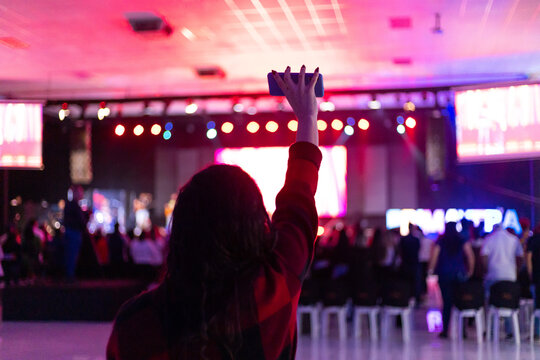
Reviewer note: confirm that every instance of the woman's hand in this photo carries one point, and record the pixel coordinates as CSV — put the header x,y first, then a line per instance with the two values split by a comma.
x,y
302,99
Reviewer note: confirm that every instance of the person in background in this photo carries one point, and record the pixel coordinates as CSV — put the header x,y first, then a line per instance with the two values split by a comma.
x,y
31,249
100,247
424,254
533,268
453,261
409,249
117,245
502,255
75,225
12,259
144,251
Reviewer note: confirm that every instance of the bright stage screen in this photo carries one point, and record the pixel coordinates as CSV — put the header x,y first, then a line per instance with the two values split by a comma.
x,y
20,135
499,123
268,165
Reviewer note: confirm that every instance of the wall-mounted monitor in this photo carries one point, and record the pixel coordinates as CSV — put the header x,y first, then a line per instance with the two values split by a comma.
x,y
498,123
268,165
21,127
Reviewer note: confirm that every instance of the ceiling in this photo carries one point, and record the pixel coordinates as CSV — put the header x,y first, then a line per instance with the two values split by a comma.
x,y
64,49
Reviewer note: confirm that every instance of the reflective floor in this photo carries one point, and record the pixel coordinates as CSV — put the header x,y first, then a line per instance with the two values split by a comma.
x,y
86,341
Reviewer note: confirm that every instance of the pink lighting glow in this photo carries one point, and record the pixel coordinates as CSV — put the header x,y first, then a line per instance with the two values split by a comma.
x,y
498,123
20,135
267,166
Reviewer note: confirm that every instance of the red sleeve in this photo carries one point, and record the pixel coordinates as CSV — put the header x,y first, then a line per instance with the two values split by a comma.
x,y
295,218
112,345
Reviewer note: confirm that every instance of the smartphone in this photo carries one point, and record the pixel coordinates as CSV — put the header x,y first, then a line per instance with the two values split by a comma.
x,y
276,91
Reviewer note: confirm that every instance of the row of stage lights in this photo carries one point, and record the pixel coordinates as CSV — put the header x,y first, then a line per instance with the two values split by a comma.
x,y
271,126
191,108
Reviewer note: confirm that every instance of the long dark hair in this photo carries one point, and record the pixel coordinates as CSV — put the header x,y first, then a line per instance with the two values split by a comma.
x,y
220,231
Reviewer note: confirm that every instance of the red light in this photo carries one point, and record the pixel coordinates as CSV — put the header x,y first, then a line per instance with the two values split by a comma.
x,y
337,124
272,126
103,104
138,130
64,106
363,124
227,127
253,127
119,130
410,122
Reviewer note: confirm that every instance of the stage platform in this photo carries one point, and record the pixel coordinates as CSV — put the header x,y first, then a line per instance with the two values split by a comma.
x,y
87,300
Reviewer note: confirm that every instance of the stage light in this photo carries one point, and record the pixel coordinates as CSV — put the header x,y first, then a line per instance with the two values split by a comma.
x,y
64,112
271,126
349,130
374,104
321,125
337,124
168,126
409,106
210,125
363,124
227,127
238,107
350,121
252,127
410,122
191,108
155,129
327,106
138,130
119,130
103,111
252,110
167,134
293,125
320,230
211,133
400,119
401,129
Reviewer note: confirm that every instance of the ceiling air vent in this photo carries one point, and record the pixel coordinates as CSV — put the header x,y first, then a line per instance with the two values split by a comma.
x,y
146,22
210,72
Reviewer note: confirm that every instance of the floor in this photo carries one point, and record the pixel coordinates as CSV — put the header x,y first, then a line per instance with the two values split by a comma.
x,y
86,341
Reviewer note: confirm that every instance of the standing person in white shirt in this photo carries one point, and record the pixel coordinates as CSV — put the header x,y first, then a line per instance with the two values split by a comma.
x,y
502,254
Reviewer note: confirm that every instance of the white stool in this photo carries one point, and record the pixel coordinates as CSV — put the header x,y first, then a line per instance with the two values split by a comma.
x,y
457,322
535,315
371,312
526,308
341,313
497,314
405,314
314,312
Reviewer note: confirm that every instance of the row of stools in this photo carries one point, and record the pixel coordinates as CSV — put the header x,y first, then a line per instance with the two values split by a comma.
x,y
505,302
322,301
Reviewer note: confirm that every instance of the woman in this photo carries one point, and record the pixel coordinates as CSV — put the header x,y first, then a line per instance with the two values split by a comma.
x,y
234,277
449,254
